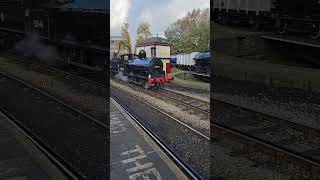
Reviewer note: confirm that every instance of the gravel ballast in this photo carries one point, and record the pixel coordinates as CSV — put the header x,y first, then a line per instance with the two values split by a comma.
x,y
190,119
72,90
192,148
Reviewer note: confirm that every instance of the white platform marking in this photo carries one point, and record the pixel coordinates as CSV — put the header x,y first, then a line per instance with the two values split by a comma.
x,y
145,171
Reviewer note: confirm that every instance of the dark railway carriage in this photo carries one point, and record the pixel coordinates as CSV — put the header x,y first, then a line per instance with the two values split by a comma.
x,y
284,16
173,60
242,11
300,17
202,63
76,29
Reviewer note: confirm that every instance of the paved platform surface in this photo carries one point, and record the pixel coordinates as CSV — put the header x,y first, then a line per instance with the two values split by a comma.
x,y
133,155
185,79
20,159
292,39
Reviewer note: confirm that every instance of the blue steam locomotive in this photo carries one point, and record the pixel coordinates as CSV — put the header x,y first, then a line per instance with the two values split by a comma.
x,y
139,69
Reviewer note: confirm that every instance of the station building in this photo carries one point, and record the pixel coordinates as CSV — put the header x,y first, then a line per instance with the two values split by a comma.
x,y
157,47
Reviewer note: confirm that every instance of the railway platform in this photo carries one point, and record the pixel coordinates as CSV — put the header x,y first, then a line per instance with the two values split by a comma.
x,y
293,40
133,154
20,158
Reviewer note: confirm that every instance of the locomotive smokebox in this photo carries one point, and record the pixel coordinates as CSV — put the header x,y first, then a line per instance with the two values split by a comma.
x,y
155,66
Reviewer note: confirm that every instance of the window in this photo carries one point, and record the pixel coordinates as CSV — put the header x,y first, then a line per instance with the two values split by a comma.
x,y
153,52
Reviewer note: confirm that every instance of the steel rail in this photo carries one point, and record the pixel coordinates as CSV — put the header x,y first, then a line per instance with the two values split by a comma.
x,y
185,168
173,118
182,102
55,158
92,119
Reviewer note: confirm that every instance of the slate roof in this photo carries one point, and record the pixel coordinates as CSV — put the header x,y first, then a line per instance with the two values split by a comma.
x,y
155,41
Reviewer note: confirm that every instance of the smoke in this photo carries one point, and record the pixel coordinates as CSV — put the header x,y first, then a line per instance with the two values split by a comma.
x,y
121,77
32,46
173,30
119,11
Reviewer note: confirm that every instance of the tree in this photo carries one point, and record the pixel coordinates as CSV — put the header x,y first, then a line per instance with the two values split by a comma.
x,y
190,33
125,35
143,32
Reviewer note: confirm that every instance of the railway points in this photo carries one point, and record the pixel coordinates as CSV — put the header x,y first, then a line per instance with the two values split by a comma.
x,y
193,112
133,152
22,157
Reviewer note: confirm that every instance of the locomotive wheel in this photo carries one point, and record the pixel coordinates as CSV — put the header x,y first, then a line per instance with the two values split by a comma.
x,y
157,86
315,34
146,86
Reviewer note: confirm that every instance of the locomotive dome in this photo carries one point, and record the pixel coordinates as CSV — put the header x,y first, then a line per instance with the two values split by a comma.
x,y
142,54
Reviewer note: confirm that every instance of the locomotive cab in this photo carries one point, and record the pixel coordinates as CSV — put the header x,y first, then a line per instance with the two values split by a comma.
x,y
156,68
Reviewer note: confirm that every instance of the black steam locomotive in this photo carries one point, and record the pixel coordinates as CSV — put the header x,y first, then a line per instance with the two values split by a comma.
x,y
285,16
72,31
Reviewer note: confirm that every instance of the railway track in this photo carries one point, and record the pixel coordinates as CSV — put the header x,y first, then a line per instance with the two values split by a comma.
x,y
69,146
61,74
253,127
92,78
185,168
189,171
51,155
197,106
283,139
194,108
193,103
196,165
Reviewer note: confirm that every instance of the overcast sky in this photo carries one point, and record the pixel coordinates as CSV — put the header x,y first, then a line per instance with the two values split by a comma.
x,y
158,13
